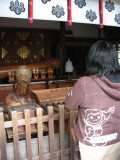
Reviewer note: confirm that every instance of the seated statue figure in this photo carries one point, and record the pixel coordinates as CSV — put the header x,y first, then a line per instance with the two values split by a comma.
x,y
21,95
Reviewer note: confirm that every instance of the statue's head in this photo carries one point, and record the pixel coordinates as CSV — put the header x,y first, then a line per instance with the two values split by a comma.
x,y
23,74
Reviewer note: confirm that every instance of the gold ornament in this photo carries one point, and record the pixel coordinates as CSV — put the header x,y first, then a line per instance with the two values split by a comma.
x,y
4,52
23,52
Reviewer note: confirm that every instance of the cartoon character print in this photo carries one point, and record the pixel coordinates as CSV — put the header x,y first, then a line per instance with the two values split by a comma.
x,y
94,119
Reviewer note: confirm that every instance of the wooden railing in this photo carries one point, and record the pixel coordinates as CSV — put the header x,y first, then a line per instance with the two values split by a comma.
x,y
52,146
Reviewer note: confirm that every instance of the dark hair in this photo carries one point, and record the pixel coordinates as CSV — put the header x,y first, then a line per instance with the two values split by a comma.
x,y
102,59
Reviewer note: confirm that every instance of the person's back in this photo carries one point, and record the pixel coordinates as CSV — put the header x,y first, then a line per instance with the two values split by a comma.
x,y
97,96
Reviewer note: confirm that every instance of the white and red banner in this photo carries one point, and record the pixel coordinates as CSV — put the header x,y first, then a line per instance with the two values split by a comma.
x,y
100,12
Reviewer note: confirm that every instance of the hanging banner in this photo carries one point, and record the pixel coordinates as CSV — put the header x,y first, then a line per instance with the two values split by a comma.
x,y
69,11
101,13
30,11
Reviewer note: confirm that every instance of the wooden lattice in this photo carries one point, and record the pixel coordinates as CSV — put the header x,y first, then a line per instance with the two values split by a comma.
x,y
51,147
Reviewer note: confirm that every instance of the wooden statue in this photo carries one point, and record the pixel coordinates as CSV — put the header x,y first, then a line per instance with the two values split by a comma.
x,y
21,95
53,63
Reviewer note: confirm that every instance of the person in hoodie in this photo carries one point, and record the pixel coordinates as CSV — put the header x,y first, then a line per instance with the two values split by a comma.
x,y
97,98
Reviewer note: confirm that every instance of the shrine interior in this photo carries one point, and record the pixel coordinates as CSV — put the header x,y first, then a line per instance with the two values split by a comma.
x,y
22,43
43,53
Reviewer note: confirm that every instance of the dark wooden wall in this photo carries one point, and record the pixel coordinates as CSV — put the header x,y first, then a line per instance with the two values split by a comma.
x,y
23,46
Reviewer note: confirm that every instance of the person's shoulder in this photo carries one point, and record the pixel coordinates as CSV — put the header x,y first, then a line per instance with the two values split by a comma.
x,y
85,79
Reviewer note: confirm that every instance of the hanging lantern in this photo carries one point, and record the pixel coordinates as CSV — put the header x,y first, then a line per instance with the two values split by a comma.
x,y
101,13
30,11
69,9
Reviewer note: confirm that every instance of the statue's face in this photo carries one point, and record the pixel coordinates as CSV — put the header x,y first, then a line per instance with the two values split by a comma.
x,y
23,77
23,86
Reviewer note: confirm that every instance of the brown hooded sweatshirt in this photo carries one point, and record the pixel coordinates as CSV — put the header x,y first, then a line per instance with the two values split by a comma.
x,y
98,102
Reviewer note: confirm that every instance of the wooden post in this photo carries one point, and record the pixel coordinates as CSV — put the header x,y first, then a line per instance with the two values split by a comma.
x,y
51,131
39,112
28,134
72,148
61,58
15,135
62,41
62,131
2,138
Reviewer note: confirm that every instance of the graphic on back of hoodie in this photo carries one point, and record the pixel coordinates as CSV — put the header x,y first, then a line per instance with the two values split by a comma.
x,y
94,119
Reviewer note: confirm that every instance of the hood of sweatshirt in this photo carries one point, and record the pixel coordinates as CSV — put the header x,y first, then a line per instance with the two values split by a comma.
x,y
110,86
